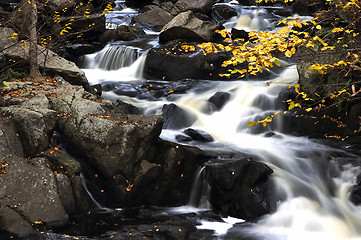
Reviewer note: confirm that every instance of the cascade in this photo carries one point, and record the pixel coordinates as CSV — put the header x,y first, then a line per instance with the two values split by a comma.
x,y
312,189
113,57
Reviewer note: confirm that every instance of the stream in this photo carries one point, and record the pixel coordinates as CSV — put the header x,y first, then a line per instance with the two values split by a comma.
x,y
311,188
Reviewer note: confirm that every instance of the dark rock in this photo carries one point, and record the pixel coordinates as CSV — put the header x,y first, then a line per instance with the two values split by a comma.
x,y
121,33
96,89
176,117
198,135
310,124
30,188
153,19
218,100
223,12
285,95
247,2
79,23
165,63
138,3
183,138
239,33
128,108
187,26
240,188
270,134
203,6
306,7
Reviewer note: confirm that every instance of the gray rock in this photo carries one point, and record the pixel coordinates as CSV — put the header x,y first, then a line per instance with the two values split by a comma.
x,y
7,37
34,127
9,140
65,193
29,188
187,26
153,19
49,61
203,6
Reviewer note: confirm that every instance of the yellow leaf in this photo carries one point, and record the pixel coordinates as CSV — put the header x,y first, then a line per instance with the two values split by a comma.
x,y
318,27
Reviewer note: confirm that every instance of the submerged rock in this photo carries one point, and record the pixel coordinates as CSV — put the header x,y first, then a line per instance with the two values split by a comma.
x,y
198,135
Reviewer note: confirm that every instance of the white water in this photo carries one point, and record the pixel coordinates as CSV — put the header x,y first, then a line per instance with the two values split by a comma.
x,y
313,191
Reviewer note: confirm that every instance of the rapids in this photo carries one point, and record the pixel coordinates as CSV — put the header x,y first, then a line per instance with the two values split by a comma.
x,y
312,189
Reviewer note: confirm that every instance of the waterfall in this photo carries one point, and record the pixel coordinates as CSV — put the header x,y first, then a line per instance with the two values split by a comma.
x,y
114,62
252,22
200,191
113,57
311,187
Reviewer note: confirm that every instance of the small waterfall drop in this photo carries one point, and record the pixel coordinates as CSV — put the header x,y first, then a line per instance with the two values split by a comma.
x,y
113,57
200,191
252,22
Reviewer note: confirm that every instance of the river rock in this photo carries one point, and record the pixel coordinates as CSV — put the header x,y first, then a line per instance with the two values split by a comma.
x,y
187,26
128,108
123,33
170,62
198,135
240,188
154,19
176,117
48,61
223,12
203,6
218,100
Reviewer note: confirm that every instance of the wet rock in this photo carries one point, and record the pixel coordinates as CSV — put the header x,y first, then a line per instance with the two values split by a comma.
x,y
155,18
203,6
198,135
240,188
187,26
218,100
128,108
170,62
239,33
176,117
223,12
183,138
121,33
306,7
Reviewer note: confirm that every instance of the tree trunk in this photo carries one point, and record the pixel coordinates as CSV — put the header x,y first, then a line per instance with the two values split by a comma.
x,y
33,50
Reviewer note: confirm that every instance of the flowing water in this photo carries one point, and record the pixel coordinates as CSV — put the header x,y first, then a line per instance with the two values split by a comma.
x,y
311,187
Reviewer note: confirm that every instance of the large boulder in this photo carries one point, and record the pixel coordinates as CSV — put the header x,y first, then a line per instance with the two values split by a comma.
x,y
171,62
7,37
187,26
203,6
240,188
48,61
154,19
29,193
176,118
